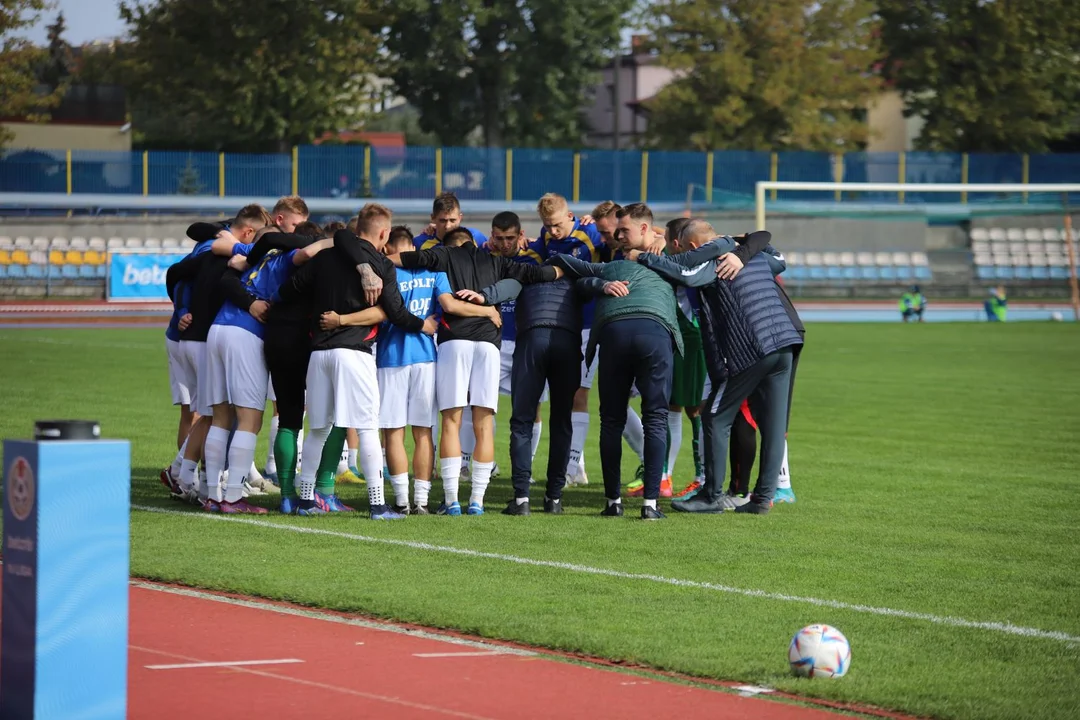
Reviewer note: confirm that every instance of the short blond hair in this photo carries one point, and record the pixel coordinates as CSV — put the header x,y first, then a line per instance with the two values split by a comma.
x,y
253,216
605,209
292,204
351,225
371,216
551,205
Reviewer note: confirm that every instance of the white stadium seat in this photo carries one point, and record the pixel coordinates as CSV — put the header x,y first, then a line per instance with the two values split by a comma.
x,y
997,234
38,257
813,258
984,260
41,243
187,243
882,259
919,258
830,258
847,259
59,243
1014,235
793,258
1017,248
865,259
980,246
6,243
1051,234
1033,235
901,259
23,243
133,242
979,234
78,243
170,243
1037,260
152,243
115,243
97,243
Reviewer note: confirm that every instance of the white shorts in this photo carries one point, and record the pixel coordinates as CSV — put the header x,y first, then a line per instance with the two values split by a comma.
x,y
237,368
407,395
506,367
342,390
467,373
178,385
587,371
192,366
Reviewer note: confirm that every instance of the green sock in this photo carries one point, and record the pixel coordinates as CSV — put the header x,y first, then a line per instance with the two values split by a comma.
x,y
285,457
324,478
695,429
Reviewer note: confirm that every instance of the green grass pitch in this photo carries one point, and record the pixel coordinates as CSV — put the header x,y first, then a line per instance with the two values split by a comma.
x,y
936,468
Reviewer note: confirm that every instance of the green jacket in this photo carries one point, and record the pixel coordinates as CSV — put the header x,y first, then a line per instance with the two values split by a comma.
x,y
650,297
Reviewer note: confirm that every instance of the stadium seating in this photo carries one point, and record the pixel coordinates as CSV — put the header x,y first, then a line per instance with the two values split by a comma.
x,y
849,266
1020,254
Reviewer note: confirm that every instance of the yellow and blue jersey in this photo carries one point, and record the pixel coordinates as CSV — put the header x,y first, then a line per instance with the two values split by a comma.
x,y
423,241
182,298
262,281
533,254
584,242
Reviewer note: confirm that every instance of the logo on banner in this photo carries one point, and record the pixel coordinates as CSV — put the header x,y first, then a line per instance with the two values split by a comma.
x,y
20,488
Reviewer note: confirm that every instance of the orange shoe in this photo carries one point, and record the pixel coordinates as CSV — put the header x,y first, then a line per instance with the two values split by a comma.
x,y
665,487
690,489
635,489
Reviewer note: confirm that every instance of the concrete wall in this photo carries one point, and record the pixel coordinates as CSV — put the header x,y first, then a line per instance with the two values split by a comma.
x,y
58,136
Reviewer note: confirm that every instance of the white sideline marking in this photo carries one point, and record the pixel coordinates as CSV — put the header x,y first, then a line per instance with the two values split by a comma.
x,y
948,620
487,653
330,617
751,690
185,666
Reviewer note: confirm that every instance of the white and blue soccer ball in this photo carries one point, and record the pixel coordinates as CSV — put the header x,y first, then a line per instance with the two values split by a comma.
x,y
819,651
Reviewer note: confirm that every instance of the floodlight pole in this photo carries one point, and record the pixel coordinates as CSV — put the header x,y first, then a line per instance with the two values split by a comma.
x,y
1071,250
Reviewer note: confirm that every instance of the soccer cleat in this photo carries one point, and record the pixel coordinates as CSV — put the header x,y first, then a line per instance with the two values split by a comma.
x,y
420,510
250,489
453,509
578,478
665,486
254,476
636,489
639,474
331,503
350,477
475,509
313,511
211,505
383,512
784,495
171,483
401,509
288,505
691,489
264,486
241,507
495,471
651,513
699,503
612,510
753,507
515,508
553,507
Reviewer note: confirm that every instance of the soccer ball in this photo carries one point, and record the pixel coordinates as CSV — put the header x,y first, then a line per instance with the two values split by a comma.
x,y
819,651
1056,316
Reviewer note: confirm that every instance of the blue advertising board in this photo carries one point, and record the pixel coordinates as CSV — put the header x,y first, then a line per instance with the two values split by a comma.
x,y
139,276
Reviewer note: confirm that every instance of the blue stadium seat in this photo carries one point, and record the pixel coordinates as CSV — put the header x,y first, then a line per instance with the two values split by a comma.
x,y
868,272
850,273
87,272
1003,272
922,272
35,271
69,272
887,273
100,270
985,272
16,271
817,272
904,272
798,272
834,272
54,272
1040,273
1022,272
3,271
1056,272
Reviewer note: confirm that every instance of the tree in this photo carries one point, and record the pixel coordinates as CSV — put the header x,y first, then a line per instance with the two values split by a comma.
x,y
58,64
233,75
19,93
753,75
985,76
518,69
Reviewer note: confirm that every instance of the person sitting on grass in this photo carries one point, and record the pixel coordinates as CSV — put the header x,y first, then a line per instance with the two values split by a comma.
x,y
912,304
997,306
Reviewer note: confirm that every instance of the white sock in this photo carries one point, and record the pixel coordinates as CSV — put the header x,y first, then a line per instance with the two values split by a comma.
x,y
178,461
616,501
241,458
481,477
370,456
188,474
521,501
538,430
253,471
634,432
216,450
785,474
352,457
467,437
580,423
386,467
450,471
271,462
204,485
674,424
650,503
313,444
421,488
400,483
299,448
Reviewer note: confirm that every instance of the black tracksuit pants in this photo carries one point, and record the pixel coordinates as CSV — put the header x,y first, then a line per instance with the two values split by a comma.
x,y
287,350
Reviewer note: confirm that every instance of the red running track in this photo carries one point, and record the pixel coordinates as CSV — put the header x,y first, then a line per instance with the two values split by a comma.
x,y
343,667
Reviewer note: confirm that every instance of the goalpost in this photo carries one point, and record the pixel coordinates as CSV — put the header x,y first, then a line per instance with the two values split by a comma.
x,y
1058,195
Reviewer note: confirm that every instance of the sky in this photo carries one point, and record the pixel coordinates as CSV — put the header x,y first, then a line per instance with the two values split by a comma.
x,y
86,20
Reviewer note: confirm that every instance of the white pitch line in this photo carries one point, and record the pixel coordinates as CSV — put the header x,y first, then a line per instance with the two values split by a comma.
x,y
237,663
488,653
947,620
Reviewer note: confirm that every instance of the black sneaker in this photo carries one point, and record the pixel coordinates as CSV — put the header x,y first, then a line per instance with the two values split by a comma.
x,y
651,513
612,510
553,507
754,507
401,509
515,508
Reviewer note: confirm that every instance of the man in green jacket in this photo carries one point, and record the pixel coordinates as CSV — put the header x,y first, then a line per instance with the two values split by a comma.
x,y
912,304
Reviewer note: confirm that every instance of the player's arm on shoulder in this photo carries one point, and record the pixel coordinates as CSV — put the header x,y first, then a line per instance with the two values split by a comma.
x,y
526,273
365,318
452,306
751,244
436,258
573,267
678,273
394,304
503,290
299,285
232,289
227,246
305,254
590,287
203,231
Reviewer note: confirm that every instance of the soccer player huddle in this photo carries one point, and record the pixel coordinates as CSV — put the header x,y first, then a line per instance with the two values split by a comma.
x,y
370,332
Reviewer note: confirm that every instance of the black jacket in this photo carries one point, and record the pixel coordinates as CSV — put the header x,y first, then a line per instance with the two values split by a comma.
x,y
330,282
558,305
471,268
204,273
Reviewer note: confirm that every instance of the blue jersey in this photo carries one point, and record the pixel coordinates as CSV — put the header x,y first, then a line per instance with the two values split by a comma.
x,y
182,296
423,241
585,243
531,255
262,281
398,347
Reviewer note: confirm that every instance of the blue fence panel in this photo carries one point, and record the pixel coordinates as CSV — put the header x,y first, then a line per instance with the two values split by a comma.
x,y
334,171
474,173
927,167
98,171
538,171
258,175
1064,168
804,167
411,177
611,175
185,173
677,177
33,171
736,173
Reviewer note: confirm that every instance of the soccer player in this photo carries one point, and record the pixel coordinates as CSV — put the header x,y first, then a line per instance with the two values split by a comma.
x,y
342,385
467,370
564,234
445,216
201,272
508,240
236,364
